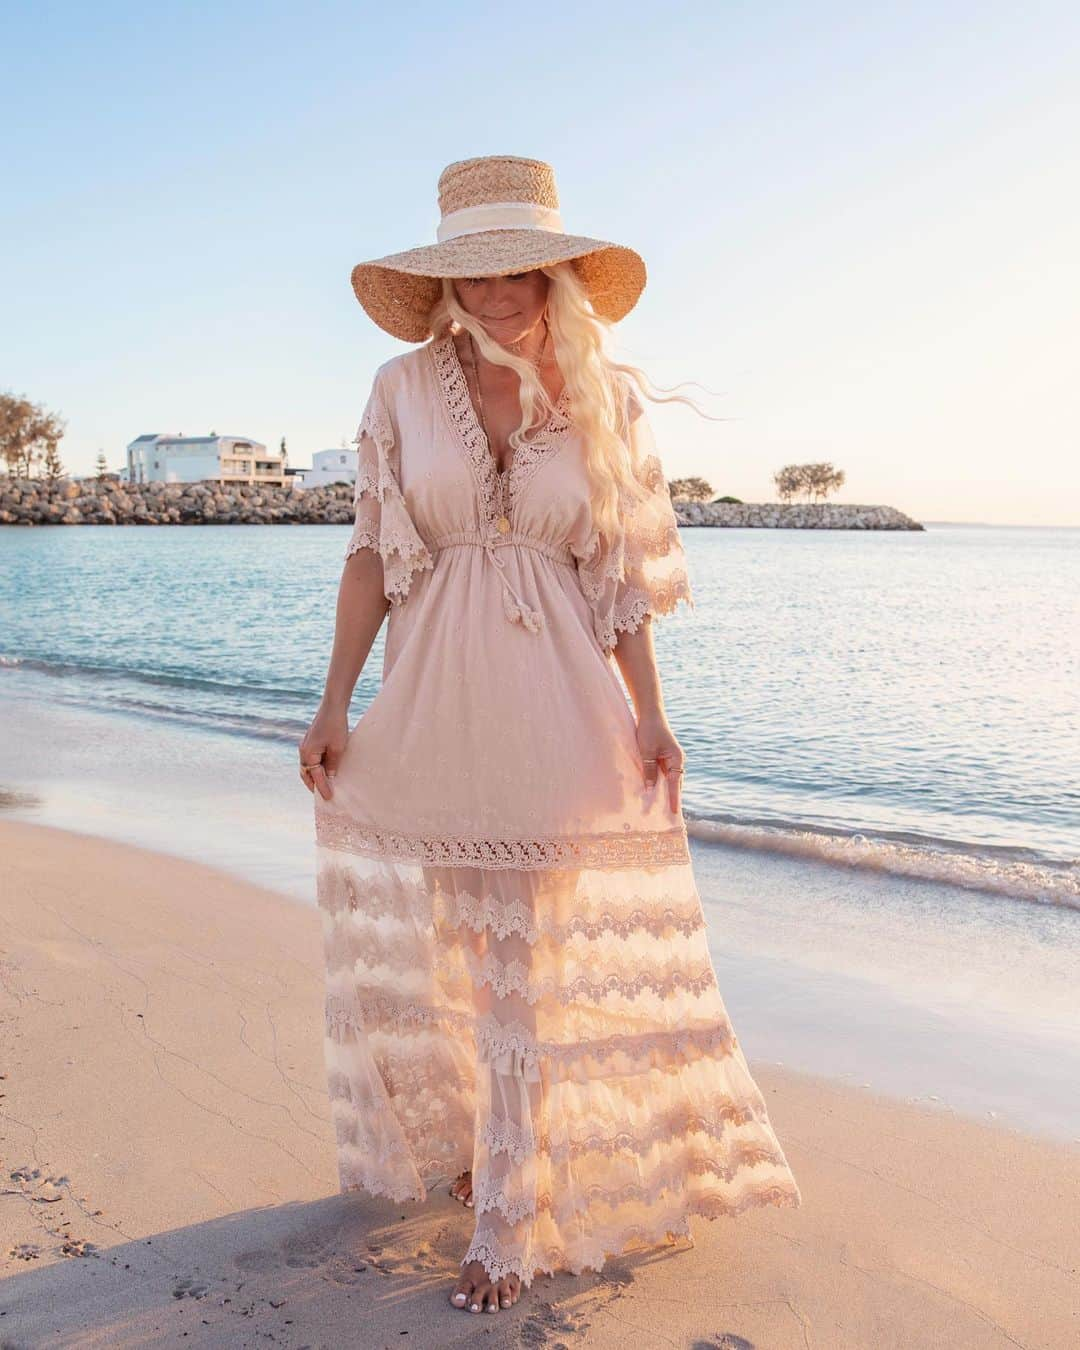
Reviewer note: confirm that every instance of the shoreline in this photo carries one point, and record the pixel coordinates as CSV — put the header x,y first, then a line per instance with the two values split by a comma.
x,y
149,998
820,965
37,687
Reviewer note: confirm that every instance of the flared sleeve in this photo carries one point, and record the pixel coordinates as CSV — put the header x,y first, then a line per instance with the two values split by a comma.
x,y
642,571
382,520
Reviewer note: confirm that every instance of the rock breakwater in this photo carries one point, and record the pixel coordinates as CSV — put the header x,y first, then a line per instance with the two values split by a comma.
x,y
794,516
108,502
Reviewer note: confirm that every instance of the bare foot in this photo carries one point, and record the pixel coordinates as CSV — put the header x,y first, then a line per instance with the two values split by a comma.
x,y
461,1189
476,1292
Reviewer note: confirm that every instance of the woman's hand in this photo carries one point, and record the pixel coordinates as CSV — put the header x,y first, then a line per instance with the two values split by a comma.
x,y
322,747
660,751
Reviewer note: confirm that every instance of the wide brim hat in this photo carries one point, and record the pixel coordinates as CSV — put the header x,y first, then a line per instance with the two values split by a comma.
x,y
499,214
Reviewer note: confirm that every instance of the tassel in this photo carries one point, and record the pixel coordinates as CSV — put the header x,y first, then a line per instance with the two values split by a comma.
x,y
514,610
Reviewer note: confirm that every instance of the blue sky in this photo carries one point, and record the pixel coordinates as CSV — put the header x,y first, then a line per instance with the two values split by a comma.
x,y
860,222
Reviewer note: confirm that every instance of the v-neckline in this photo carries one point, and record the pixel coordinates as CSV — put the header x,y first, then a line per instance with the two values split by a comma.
x,y
541,436
500,488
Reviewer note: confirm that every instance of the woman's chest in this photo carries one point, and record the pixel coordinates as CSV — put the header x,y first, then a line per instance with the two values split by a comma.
x,y
451,481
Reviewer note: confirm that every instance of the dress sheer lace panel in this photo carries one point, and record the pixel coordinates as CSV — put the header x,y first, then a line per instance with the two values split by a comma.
x,y
382,519
519,1023
641,572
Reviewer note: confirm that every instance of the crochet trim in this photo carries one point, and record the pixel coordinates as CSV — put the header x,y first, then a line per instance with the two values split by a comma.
x,y
500,1134
376,898
591,1255
500,490
364,1010
631,848
382,520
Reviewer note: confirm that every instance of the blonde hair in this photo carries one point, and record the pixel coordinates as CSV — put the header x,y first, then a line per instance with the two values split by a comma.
x,y
601,388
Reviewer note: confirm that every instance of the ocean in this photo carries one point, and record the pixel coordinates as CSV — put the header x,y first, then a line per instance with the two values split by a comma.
x,y
898,701
882,734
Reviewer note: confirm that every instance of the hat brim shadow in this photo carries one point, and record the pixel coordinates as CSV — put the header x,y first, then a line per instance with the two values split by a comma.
x,y
399,290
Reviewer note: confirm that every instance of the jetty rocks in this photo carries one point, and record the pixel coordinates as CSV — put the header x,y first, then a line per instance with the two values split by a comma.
x,y
106,501
793,516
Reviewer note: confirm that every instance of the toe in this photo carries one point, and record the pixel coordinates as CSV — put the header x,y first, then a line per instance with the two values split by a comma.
x,y
462,1292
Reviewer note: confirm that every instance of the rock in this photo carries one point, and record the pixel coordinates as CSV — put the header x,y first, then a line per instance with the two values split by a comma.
x,y
25,501
793,516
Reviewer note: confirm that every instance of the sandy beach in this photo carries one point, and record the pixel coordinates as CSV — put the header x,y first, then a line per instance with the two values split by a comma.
x,y
169,1167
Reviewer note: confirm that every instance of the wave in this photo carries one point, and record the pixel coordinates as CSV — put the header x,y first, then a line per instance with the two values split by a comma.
x,y
166,679
213,705
998,870
281,714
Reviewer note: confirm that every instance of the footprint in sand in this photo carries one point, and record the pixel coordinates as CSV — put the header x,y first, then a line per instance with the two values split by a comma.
x,y
24,1251
545,1323
78,1247
259,1262
43,1190
301,1255
190,1288
345,1270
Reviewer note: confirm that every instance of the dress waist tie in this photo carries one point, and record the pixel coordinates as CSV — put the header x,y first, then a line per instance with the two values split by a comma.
x,y
514,607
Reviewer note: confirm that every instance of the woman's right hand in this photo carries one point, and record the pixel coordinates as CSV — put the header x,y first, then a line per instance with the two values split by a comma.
x,y
322,747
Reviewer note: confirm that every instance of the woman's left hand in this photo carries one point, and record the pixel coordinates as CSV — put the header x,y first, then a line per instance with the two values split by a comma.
x,y
661,752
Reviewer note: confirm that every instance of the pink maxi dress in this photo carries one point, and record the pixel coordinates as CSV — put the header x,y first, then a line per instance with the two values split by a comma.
x,y
517,974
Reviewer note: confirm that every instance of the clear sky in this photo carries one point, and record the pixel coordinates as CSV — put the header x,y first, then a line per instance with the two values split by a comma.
x,y
861,222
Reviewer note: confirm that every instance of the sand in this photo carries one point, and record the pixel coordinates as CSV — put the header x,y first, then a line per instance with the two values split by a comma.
x,y
169,1171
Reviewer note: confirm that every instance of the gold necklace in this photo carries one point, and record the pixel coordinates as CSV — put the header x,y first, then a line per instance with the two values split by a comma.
x,y
502,522
499,473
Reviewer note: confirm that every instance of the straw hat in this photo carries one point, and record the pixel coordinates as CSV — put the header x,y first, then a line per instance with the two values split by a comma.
x,y
500,214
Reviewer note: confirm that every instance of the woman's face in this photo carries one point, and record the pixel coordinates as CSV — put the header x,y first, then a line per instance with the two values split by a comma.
x,y
508,307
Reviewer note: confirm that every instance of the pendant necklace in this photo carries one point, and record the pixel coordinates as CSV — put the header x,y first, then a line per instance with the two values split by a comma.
x,y
501,475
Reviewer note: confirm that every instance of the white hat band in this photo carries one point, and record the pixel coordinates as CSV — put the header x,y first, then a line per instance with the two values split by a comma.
x,y
499,216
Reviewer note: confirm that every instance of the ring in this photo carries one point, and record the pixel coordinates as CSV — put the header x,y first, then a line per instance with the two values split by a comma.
x,y
317,764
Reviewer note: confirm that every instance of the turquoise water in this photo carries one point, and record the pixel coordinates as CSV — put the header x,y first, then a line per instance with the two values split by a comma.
x,y
882,748
904,702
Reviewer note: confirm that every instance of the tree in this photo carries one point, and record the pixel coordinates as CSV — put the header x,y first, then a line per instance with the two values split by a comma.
x,y
28,435
101,464
690,489
821,479
52,470
812,480
789,480
284,453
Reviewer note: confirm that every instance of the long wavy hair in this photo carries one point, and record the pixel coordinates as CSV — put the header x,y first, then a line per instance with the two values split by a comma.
x,y
600,387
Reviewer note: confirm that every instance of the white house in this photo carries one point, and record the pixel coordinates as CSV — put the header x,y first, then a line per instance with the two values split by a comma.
x,y
161,458
329,466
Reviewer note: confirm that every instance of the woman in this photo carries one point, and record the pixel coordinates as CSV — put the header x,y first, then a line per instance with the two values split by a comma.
x,y
519,990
